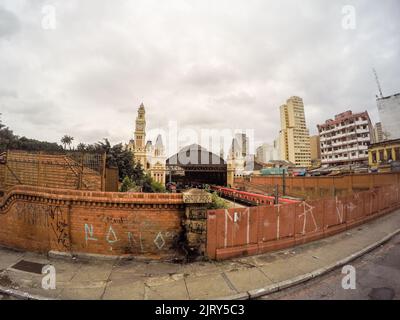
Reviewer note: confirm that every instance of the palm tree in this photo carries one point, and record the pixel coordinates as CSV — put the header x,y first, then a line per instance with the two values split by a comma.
x,y
67,140
81,147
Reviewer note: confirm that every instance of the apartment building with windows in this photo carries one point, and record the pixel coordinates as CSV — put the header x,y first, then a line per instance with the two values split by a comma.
x,y
294,135
345,139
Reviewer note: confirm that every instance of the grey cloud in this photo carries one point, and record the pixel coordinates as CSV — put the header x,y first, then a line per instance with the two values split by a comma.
x,y
225,64
86,134
209,75
238,98
5,93
9,23
35,112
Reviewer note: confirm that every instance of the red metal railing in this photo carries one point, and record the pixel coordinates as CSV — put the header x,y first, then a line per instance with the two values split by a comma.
x,y
250,197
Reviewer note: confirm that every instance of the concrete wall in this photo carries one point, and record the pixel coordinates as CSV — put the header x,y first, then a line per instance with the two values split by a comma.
x,y
44,219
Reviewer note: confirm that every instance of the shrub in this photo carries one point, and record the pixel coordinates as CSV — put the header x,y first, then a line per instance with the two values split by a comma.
x,y
127,184
217,202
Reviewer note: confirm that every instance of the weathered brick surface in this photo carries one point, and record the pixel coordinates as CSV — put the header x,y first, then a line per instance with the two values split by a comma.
x,y
255,230
319,187
43,219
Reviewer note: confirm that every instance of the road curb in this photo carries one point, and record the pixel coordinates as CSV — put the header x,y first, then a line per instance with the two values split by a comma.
x,y
22,294
256,293
237,296
251,294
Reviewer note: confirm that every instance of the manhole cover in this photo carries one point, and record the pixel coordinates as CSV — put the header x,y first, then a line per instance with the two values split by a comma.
x,y
382,294
29,266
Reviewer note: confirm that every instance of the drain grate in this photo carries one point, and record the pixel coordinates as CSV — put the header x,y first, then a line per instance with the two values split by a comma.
x,y
382,294
29,266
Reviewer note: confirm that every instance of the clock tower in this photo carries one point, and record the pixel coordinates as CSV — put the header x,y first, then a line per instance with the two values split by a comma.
x,y
140,137
151,157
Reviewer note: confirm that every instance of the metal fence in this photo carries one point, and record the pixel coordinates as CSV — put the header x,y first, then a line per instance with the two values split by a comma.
x,y
67,170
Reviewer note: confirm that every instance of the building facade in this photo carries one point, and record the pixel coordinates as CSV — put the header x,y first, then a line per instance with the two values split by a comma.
x,y
244,143
267,152
315,148
151,157
378,133
236,161
345,139
382,155
389,113
294,135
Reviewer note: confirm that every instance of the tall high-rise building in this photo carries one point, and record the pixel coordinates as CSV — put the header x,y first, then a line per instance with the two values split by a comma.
x,y
378,133
244,144
315,149
389,113
294,135
345,139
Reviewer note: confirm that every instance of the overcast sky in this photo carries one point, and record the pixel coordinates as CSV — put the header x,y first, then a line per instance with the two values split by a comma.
x,y
206,64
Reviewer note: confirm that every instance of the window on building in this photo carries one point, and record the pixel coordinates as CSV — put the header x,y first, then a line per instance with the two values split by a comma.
x,y
381,155
397,153
389,154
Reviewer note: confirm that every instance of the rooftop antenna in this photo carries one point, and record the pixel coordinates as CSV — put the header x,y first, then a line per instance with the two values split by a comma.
x,y
377,82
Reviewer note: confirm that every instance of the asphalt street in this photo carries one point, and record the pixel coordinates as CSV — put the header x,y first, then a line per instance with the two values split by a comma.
x,y
377,278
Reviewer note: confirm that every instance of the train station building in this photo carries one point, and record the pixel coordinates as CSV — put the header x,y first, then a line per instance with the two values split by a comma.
x,y
196,165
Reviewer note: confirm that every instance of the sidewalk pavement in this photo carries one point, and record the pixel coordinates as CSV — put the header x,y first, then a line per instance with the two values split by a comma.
x,y
240,278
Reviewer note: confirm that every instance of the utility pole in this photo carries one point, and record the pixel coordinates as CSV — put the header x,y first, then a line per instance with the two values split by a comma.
x,y
276,195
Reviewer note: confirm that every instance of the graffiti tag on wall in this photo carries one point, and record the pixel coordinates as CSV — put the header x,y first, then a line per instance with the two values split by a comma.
x,y
45,216
132,239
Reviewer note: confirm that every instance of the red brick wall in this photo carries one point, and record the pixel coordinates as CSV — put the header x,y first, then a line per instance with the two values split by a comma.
x,y
42,219
319,187
255,230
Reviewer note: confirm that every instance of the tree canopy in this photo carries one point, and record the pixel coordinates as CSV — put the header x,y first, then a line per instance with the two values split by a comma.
x,y
66,140
8,140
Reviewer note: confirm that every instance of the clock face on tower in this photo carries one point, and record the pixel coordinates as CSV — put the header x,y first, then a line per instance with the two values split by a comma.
x,y
140,126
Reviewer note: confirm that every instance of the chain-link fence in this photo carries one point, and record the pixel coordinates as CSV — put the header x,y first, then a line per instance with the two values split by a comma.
x,y
66,170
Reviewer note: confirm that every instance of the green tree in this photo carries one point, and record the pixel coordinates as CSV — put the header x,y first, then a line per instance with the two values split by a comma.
x,y
157,187
118,156
138,173
127,184
146,183
66,140
81,147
